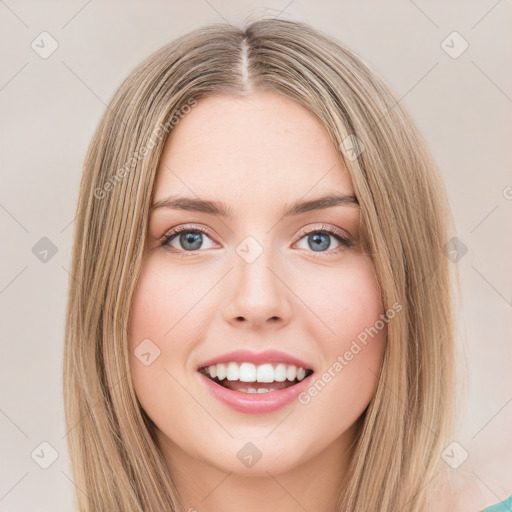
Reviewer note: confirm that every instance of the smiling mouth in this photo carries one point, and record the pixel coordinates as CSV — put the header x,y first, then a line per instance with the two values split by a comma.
x,y
251,378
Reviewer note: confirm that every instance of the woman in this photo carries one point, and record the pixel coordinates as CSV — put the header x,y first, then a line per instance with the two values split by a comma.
x,y
260,317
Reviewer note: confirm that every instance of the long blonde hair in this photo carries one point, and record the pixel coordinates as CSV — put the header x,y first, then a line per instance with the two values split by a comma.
x,y
116,462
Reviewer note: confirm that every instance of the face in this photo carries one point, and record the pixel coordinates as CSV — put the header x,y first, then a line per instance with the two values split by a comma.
x,y
283,310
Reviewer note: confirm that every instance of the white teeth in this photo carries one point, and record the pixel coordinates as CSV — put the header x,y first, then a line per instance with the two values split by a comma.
x,y
265,373
280,373
221,371
252,390
291,372
248,372
232,371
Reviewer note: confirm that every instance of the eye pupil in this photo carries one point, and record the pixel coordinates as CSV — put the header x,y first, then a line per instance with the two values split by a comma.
x,y
320,241
191,237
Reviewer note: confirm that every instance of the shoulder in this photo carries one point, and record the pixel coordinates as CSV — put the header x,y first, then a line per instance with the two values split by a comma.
x,y
463,491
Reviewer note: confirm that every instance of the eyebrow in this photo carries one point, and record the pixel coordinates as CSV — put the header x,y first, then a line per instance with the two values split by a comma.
x,y
220,209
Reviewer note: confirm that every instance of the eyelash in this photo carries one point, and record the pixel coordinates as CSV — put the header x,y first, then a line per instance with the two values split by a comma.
x,y
345,241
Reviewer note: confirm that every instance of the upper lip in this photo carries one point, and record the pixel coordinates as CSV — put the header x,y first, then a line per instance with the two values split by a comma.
x,y
268,356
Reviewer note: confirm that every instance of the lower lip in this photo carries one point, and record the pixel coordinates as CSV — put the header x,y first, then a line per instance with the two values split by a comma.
x,y
255,403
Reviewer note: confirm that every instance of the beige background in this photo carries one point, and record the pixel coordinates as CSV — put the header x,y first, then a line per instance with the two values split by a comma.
x,y
50,106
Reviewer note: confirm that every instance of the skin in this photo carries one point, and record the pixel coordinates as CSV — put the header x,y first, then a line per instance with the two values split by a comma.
x,y
255,154
463,490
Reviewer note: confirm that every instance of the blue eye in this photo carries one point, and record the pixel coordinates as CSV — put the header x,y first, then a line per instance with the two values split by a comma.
x,y
191,239
319,240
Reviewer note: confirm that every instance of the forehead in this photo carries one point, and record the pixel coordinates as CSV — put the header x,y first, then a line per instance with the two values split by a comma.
x,y
259,148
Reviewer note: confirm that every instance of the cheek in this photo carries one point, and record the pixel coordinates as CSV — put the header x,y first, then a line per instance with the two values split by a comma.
x,y
165,300
352,339
345,301
159,330
164,327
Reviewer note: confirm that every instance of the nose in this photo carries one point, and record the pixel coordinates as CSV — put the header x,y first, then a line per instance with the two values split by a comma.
x,y
258,293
